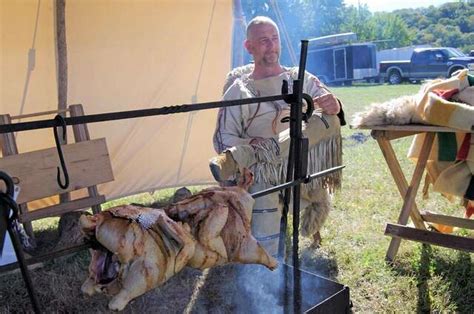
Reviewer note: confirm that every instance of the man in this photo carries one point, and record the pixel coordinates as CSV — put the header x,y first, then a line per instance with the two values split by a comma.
x,y
254,136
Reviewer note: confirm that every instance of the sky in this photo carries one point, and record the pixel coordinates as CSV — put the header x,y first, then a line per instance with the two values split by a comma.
x,y
388,6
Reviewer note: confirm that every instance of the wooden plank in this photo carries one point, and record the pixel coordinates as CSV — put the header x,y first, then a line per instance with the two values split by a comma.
x,y
81,132
88,164
59,209
411,127
448,220
430,237
392,135
409,199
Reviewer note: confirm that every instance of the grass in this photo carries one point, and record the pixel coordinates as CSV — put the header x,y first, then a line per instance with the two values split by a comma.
x,y
422,278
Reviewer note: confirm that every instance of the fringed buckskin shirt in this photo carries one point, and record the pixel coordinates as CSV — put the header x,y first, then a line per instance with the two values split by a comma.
x,y
238,125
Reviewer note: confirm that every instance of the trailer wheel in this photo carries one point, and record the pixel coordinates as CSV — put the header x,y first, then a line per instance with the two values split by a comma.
x,y
394,77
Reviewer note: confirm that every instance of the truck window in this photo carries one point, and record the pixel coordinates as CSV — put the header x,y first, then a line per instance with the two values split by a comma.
x,y
422,57
439,57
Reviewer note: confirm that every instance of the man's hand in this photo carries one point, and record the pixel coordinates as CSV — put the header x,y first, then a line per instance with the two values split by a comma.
x,y
257,140
328,104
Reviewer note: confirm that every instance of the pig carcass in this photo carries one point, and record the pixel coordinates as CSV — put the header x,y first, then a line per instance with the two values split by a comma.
x,y
136,249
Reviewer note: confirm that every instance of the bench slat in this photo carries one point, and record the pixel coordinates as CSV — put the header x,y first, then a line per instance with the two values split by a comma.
x,y
430,237
87,162
59,209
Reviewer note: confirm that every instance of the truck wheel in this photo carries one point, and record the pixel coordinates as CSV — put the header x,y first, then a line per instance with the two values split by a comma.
x,y
394,77
454,70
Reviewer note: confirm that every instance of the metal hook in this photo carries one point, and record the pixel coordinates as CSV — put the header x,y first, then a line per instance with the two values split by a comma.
x,y
61,122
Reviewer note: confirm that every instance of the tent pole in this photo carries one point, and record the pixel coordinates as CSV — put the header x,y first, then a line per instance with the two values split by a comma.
x,y
61,55
239,35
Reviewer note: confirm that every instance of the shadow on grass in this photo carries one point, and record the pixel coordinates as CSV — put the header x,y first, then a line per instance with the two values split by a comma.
x,y
422,277
457,276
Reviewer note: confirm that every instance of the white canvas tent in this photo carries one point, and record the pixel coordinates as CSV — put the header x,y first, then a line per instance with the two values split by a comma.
x,y
123,55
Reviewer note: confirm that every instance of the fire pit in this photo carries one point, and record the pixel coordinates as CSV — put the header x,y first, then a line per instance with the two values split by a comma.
x,y
257,290
245,289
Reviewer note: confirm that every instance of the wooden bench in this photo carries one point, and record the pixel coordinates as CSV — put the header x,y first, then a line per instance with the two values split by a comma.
x,y
87,162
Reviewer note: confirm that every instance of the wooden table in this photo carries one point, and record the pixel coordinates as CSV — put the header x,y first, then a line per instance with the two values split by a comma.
x,y
387,133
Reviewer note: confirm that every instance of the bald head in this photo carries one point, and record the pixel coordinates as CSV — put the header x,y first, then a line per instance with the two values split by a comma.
x,y
259,20
263,43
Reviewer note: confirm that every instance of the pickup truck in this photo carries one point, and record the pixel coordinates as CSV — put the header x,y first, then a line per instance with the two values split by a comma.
x,y
426,63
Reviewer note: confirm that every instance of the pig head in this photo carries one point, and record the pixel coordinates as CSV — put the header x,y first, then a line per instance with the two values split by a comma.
x,y
135,249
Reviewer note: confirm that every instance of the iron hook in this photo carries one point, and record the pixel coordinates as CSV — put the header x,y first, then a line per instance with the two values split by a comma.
x,y
61,122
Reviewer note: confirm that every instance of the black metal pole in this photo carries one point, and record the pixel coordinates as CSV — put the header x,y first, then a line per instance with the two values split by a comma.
x,y
292,183
297,134
119,115
8,205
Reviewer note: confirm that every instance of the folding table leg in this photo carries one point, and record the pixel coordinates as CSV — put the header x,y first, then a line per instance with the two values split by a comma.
x,y
399,178
409,198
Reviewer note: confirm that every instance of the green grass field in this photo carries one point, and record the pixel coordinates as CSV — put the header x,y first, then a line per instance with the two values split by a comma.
x,y
422,278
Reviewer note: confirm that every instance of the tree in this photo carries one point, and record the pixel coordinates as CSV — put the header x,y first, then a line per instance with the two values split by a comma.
x,y
300,19
359,20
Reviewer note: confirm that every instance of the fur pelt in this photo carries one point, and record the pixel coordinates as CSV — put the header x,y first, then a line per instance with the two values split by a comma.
x,y
404,110
396,111
316,213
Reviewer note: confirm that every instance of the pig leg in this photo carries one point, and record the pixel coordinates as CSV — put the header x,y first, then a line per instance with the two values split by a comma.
x,y
210,249
135,284
252,252
88,287
210,229
180,239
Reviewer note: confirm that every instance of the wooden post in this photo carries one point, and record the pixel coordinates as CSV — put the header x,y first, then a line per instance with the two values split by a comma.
x,y
61,47
81,133
61,52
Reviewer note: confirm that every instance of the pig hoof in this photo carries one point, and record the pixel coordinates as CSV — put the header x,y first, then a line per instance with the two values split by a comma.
x,y
117,304
88,287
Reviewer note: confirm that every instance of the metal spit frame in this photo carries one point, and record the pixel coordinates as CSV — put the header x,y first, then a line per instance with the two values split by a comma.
x,y
296,174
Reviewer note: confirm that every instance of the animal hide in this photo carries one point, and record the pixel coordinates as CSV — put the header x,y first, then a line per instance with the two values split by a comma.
x,y
397,111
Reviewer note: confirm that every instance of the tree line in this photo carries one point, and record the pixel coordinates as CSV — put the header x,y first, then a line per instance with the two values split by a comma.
x,y
451,24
